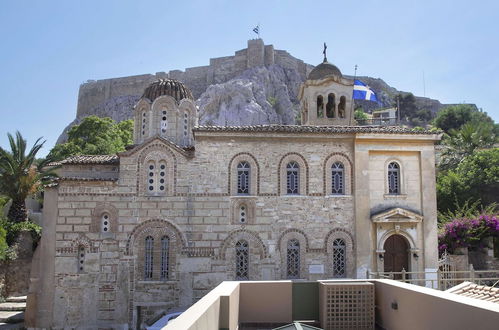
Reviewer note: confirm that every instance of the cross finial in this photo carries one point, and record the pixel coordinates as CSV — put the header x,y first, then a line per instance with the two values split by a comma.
x,y
324,52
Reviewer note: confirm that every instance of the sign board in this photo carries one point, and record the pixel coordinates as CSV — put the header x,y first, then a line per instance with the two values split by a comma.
x,y
316,269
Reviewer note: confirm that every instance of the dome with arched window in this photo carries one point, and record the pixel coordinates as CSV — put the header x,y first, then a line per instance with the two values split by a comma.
x,y
172,87
323,70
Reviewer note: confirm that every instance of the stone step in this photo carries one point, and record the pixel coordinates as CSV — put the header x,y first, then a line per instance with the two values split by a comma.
x,y
11,317
13,306
19,299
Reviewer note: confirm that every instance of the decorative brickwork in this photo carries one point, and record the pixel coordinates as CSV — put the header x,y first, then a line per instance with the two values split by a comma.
x,y
303,176
347,174
243,210
103,210
350,248
254,184
282,245
156,153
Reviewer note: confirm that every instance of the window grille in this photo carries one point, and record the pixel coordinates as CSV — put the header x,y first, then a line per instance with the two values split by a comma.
x,y
105,223
165,243
393,178
143,123
337,179
242,213
339,258
164,123
186,124
243,178
162,176
242,260
149,242
293,259
81,258
150,176
293,177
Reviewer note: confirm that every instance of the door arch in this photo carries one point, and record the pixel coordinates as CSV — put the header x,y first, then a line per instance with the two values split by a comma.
x,y
396,255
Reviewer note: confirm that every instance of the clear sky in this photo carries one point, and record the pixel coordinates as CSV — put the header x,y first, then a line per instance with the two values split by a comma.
x,y
48,48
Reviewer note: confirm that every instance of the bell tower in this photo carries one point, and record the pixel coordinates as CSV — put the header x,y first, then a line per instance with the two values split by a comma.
x,y
326,96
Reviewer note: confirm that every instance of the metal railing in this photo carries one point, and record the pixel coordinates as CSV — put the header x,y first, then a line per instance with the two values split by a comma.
x,y
382,121
441,279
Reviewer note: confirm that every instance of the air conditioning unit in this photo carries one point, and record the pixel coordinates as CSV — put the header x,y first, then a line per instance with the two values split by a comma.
x,y
346,305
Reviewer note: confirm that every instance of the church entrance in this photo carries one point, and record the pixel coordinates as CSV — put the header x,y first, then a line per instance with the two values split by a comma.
x,y
396,254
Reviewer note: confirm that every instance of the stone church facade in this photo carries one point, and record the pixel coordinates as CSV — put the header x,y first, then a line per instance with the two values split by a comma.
x,y
157,226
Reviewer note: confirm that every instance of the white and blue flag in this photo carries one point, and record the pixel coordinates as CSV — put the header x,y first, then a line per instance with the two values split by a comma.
x,y
363,92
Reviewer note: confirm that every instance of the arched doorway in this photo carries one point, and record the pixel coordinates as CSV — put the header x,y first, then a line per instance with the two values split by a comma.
x,y
396,254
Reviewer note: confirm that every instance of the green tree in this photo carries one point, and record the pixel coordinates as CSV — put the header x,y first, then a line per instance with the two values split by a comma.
x,y
407,103
95,136
463,142
360,115
455,116
476,178
3,244
21,174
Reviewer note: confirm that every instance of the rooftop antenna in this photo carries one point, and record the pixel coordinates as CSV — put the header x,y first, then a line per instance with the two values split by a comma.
x,y
424,86
353,101
324,52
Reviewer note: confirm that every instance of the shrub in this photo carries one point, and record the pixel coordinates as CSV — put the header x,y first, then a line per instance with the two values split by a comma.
x,y
3,244
12,230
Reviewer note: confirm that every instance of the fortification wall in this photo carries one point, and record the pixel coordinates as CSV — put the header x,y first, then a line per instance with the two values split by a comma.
x,y
221,69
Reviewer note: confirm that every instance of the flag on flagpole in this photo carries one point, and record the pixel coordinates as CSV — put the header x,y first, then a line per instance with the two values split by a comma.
x,y
257,30
363,92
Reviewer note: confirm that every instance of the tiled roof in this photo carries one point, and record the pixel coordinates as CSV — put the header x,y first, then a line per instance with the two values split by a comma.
x,y
172,87
78,178
314,129
482,292
89,159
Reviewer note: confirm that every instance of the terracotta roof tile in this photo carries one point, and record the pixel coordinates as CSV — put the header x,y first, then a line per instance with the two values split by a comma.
x,y
88,159
471,290
314,129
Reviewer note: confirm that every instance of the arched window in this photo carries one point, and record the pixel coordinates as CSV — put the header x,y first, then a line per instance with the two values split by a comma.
x,y
243,212
149,242
242,260
337,179
164,123
165,245
105,225
342,106
393,178
293,177
156,177
81,258
243,178
293,259
162,176
330,106
186,126
144,123
151,180
320,106
339,258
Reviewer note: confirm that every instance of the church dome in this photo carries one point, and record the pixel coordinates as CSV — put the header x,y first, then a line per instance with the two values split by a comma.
x,y
171,87
323,70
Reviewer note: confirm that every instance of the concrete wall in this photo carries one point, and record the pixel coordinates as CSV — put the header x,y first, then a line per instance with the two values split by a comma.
x,y
423,308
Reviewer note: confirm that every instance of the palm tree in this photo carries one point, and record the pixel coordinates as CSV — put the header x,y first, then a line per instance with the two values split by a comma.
x,y
21,174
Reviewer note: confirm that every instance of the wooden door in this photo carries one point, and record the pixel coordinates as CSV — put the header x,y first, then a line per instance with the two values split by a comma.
x,y
396,254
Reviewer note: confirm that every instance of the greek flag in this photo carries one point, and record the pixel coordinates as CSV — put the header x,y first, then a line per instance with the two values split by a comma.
x,y
257,30
363,92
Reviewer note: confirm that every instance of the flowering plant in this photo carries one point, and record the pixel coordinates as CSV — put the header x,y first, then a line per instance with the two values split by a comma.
x,y
468,233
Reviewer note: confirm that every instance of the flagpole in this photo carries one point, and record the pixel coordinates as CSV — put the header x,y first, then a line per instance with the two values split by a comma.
x,y
351,110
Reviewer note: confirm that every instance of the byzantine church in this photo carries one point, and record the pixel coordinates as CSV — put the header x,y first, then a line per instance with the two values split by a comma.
x,y
156,227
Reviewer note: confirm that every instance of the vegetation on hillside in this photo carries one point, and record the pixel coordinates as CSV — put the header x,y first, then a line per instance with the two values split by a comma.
x,y
95,136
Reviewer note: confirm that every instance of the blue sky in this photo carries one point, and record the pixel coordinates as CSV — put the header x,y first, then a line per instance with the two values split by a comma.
x,y
48,48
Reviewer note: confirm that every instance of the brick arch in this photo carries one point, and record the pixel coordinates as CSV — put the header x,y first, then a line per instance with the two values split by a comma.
x,y
254,180
82,240
98,211
245,234
157,151
293,233
281,172
348,172
339,233
156,227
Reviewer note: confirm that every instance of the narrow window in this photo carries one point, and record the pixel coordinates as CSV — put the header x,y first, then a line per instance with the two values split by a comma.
x,y
330,106
339,258
105,223
393,178
164,123
242,260
165,245
337,178
342,106
320,106
243,213
162,177
293,176
143,123
151,167
81,258
293,259
148,247
186,125
243,178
